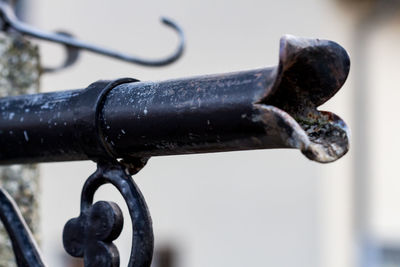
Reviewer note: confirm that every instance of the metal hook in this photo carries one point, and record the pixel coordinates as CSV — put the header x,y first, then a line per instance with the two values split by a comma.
x,y
9,20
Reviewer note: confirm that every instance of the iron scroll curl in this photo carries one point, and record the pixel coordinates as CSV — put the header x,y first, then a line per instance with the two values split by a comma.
x,y
90,235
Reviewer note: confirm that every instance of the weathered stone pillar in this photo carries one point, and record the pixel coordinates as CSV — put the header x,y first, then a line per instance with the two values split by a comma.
x,y
19,74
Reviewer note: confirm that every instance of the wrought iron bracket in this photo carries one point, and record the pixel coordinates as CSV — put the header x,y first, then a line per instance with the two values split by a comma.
x,y
274,107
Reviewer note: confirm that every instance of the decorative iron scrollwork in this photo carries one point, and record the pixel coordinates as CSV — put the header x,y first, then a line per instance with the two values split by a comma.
x,y
90,235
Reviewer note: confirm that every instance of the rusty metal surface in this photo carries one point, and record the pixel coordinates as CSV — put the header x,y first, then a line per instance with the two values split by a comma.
x,y
310,72
266,108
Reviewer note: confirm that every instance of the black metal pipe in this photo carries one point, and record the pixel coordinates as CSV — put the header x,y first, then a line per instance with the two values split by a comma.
x,y
266,108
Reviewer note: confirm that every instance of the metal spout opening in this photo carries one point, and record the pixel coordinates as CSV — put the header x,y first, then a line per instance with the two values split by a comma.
x,y
310,72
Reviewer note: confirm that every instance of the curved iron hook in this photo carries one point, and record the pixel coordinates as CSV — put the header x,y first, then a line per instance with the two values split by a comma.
x,y
10,20
72,55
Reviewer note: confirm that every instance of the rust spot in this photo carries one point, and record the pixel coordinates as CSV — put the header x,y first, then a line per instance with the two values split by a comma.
x,y
309,73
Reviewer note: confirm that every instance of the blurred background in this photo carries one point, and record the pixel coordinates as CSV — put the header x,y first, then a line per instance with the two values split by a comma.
x,y
251,208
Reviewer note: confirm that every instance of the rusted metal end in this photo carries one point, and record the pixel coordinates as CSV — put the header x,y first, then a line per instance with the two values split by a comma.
x,y
310,71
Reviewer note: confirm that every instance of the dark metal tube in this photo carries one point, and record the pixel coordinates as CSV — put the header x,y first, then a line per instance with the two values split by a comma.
x,y
36,128
204,114
265,108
